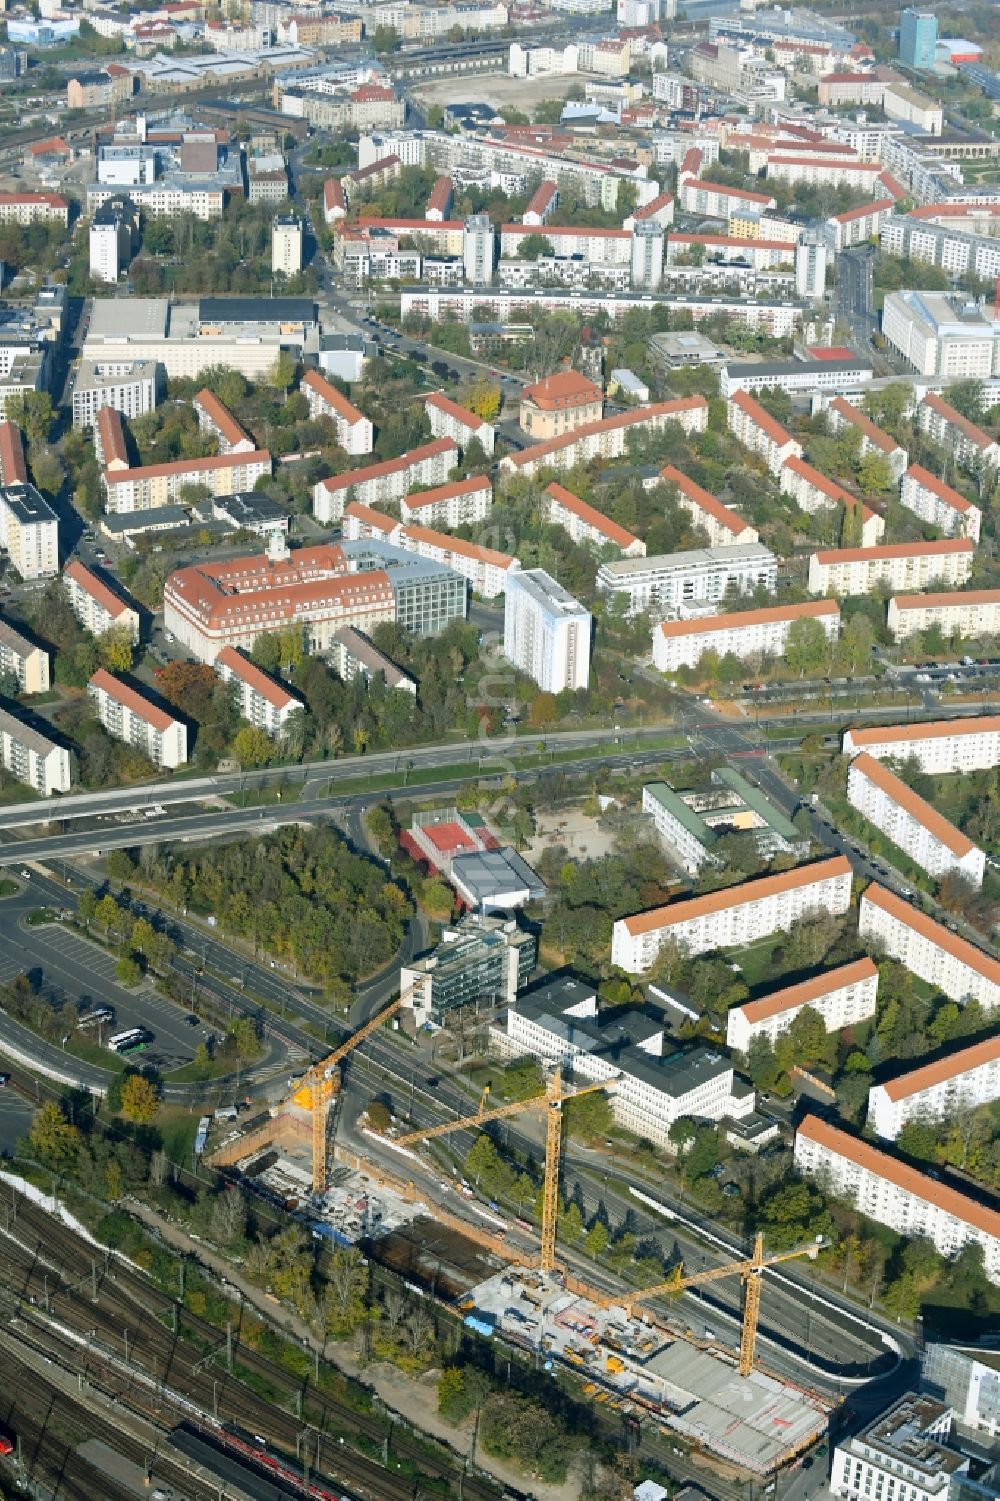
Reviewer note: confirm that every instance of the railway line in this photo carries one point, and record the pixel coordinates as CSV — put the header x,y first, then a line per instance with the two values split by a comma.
x,y
125,1342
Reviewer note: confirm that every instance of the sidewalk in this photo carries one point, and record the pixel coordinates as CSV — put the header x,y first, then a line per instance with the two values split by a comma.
x,y
412,1398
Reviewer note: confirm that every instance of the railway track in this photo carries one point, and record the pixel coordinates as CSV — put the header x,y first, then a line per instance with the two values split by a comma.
x,y
52,1272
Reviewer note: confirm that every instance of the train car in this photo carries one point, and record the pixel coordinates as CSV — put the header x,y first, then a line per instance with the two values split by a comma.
x,y
248,1461
8,1441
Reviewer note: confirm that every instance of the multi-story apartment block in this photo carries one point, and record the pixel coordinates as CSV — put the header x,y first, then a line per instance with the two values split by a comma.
x,y
449,420
916,828
214,417
29,530
130,386
34,208
855,226
843,414
668,582
968,616
95,606
556,405
747,634
461,503
22,659
32,758
937,503
484,568
484,960
128,715
940,745
738,915
262,701
901,1454
153,485
724,528
13,467
351,653
968,1380
942,335
943,424
360,523
110,441
930,950
688,836
600,247
546,632
607,439
888,1192
810,489
937,1091
840,172
354,430
713,201
585,524
112,233
286,245
757,430
841,997
902,566
428,465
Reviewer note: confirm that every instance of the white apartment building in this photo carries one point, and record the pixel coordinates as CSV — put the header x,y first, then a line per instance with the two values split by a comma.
x,y
841,997
262,701
29,531
354,430
940,745
668,583
110,243
32,758
449,420
937,503
839,172
130,716
428,465
215,418
546,632
900,1455
746,634
841,414
724,528
737,915
968,616
607,439
152,485
810,489
485,569
906,1201
948,245
937,1091
855,226
943,424
461,503
286,245
23,660
130,386
712,200
902,566
911,823
928,949
601,247
95,606
757,430
32,208
585,524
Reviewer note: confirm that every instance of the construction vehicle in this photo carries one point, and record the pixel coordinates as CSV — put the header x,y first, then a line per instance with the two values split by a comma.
x,y
552,1102
750,1270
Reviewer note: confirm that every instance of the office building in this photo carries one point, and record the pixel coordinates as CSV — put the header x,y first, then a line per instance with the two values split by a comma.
x,y
130,386
29,531
899,1197
737,915
939,746
754,427
910,822
967,1378
23,660
556,405
449,420
462,502
32,758
546,632
262,701
796,377
286,245
943,334
354,430
937,1091
482,961
723,527
152,485
586,525
930,950
958,616
749,634
938,504
900,566
918,34
95,605
607,439
841,997
391,480
670,583
188,338
128,715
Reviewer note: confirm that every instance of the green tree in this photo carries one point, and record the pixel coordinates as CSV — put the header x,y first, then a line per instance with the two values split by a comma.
x,y
283,372
596,1242
53,1139
703,1153
32,411
128,971
589,1116
140,1100
533,246
807,649
682,1132
252,747
385,39
918,1139
874,474
856,642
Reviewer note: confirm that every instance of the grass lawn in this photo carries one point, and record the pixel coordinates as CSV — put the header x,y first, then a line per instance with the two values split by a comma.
x,y
8,887
40,917
178,1128
758,960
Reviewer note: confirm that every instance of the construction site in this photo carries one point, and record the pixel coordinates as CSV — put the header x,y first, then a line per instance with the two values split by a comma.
x,y
720,1401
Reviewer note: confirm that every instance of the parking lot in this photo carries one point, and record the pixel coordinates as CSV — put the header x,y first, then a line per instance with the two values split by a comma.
x,y
66,967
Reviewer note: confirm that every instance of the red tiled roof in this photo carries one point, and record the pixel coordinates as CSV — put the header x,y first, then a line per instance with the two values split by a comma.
x,y
607,424
13,469
390,466
565,231
928,481
819,481
794,996
126,695
452,409
541,198
727,192
469,486
187,466
955,597
111,431
896,550
221,417
881,1165
248,672
955,419
898,792
930,729
953,1067
440,195
329,394
880,206
457,545
857,418
761,417
567,388
704,500
96,588
845,163
934,932
590,515
653,206
370,517
754,890
54,200
746,619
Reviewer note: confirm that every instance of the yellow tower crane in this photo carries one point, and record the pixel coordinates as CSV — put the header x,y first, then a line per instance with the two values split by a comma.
x,y
552,1102
316,1089
750,1270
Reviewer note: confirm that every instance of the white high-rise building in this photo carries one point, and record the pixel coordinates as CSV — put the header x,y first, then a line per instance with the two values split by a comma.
x,y
810,267
286,245
479,250
110,240
647,255
546,632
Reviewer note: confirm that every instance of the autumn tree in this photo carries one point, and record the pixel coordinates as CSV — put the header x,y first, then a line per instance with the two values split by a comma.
x,y
115,649
53,1139
140,1101
252,747
484,400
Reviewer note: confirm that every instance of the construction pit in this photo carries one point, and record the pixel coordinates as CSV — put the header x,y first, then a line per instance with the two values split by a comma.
x,y
692,1388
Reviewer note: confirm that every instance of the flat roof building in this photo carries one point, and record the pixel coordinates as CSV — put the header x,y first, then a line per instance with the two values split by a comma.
x,y
668,583
480,961
546,631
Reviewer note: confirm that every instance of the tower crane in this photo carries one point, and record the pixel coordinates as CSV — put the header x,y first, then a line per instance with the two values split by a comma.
x,y
317,1087
552,1102
750,1270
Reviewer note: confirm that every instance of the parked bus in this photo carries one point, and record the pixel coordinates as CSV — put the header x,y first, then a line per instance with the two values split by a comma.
x,y
128,1042
100,1016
